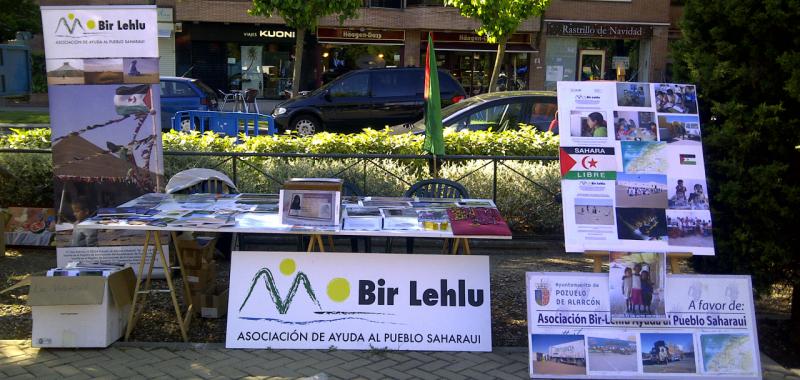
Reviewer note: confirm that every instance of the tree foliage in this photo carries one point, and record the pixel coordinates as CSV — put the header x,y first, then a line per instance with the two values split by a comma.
x,y
303,16
743,56
499,19
18,15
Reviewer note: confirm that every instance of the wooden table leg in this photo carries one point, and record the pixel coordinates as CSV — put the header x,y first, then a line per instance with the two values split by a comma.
x,y
187,293
456,241
311,243
140,273
466,246
168,275
330,242
319,242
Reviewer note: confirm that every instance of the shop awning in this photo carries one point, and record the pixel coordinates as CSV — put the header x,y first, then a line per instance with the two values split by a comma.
x,y
454,46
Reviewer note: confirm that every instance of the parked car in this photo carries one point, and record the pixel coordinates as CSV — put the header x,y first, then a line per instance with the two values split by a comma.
x,y
184,94
364,98
497,111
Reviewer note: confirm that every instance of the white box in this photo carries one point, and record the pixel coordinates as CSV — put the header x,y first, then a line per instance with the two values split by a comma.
x,y
83,311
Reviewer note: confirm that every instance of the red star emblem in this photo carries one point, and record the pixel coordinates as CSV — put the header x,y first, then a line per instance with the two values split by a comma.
x,y
592,163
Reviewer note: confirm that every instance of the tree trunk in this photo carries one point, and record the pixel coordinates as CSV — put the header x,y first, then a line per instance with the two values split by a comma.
x,y
498,62
298,61
795,317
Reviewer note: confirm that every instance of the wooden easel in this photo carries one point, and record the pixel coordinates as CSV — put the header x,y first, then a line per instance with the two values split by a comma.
x,y
135,313
674,259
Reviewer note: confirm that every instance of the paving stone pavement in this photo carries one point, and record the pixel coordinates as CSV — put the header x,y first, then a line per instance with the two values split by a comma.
x,y
18,360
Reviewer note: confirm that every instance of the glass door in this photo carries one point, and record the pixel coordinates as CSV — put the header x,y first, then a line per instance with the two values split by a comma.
x,y
591,64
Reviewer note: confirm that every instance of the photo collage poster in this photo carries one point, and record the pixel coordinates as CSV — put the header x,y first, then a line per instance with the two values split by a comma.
x,y
633,174
103,82
709,329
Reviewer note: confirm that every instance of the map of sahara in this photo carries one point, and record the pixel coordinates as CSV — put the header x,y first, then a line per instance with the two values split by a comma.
x,y
725,353
645,158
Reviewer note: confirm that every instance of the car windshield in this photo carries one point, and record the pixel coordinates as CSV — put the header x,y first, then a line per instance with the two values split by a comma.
x,y
207,90
447,111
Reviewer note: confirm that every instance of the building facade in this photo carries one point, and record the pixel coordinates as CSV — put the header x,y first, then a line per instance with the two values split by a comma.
x,y
218,42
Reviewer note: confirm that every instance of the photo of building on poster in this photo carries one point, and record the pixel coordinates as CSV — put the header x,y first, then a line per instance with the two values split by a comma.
x,y
668,353
556,354
102,158
637,286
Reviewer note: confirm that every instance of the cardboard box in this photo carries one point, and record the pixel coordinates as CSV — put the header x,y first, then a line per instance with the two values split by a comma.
x,y
213,304
197,252
82,311
200,280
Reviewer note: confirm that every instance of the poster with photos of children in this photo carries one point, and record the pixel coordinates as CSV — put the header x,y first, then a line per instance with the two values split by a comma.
x,y
633,174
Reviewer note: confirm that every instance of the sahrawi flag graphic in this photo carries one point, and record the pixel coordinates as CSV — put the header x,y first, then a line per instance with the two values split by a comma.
x,y
133,100
588,163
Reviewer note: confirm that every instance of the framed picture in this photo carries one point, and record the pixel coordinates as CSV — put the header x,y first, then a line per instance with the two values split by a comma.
x,y
310,207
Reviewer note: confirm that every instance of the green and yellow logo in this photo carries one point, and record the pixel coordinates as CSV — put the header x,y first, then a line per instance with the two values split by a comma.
x,y
72,24
338,289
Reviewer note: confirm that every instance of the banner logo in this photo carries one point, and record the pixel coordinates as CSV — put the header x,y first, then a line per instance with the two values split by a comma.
x,y
72,25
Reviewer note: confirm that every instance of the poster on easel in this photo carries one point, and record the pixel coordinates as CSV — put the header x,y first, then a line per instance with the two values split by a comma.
x,y
709,330
633,174
103,85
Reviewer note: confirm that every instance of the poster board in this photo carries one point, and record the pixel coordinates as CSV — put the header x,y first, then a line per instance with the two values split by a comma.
x,y
293,300
710,330
104,92
633,174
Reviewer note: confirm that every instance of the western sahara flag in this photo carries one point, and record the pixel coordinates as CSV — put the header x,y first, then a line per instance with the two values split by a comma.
x,y
588,163
133,100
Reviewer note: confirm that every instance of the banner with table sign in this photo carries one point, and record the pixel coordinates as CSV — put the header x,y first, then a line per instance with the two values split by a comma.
x,y
709,330
633,175
103,84
359,301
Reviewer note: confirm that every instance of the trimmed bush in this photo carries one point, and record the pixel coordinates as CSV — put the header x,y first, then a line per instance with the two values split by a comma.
x,y
526,190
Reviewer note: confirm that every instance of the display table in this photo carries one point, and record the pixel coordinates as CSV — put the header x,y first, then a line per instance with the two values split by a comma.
x,y
155,214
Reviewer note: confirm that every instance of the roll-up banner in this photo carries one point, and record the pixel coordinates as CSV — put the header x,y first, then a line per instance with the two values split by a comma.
x,y
103,84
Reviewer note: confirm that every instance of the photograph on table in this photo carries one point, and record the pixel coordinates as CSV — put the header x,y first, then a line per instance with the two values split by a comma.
x,y
644,157
687,194
635,126
641,224
612,353
679,129
588,124
676,98
636,286
64,71
597,211
668,353
102,71
727,353
140,70
633,95
557,354
641,190
690,228
310,207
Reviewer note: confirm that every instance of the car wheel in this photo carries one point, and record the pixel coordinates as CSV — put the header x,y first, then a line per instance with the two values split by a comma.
x,y
306,125
186,126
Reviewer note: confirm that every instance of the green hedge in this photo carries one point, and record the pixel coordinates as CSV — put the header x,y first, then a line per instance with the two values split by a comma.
x,y
526,190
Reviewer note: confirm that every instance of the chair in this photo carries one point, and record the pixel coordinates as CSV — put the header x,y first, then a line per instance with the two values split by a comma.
x,y
225,97
199,180
431,188
250,98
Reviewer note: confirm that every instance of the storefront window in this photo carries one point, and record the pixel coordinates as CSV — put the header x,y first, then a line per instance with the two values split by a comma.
x,y
600,59
338,59
474,69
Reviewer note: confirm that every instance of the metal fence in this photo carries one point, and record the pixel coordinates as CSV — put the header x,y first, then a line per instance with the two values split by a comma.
x,y
525,188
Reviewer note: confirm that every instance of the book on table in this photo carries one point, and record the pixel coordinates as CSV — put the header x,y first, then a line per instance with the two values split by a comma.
x,y
362,218
400,219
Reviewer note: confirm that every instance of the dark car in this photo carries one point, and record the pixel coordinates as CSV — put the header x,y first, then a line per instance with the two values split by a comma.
x,y
497,111
184,94
373,98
